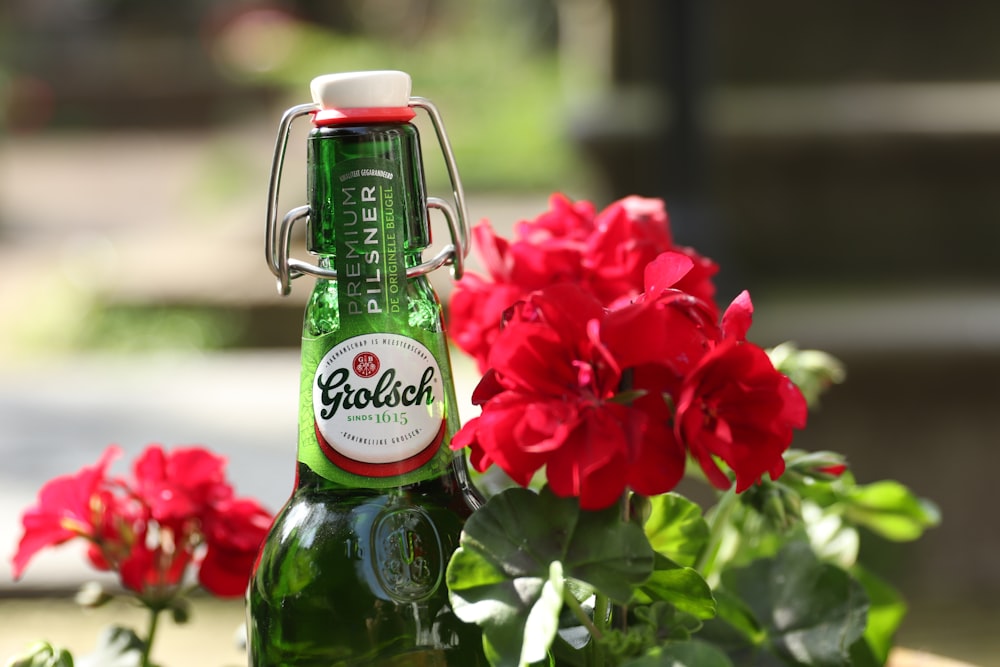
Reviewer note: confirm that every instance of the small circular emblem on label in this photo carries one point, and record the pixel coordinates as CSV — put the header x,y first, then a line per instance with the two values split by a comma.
x,y
378,403
366,364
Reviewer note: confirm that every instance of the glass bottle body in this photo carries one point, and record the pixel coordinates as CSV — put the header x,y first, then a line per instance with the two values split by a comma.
x,y
352,572
319,595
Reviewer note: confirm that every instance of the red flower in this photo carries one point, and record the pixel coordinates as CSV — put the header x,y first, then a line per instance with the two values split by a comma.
x,y
628,235
550,400
664,326
181,484
565,221
178,512
604,253
475,312
69,506
734,405
610,398
157,561
234,531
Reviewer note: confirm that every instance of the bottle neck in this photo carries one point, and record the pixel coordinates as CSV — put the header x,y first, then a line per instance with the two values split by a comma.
x,y
345,163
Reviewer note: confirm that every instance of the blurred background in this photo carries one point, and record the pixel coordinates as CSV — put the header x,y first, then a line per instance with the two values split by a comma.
x,y
839,160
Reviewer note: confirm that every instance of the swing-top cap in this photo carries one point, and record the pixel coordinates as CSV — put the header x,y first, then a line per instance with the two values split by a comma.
x,y
374,96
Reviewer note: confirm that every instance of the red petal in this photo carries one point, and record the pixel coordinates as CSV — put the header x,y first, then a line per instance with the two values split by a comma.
x,y
521,434
226,572
738,317
665,271
591,463
182,483
63,510
656,459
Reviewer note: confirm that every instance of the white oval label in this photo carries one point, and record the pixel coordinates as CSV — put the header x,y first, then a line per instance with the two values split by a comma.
x,y
378,404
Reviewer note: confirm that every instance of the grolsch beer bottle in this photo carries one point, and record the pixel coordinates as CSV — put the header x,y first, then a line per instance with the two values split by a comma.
x,y
352,573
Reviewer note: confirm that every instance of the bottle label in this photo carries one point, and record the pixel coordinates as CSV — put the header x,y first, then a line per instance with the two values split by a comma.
x,y
379,405
370,270
375,389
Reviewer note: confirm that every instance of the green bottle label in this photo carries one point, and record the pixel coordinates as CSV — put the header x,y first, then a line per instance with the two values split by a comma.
x,y
379,405
376,392
369,261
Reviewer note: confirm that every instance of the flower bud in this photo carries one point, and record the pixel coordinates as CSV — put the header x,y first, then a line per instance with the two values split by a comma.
x,y
779,505
819,466
92,595
812,371
639,509
180,610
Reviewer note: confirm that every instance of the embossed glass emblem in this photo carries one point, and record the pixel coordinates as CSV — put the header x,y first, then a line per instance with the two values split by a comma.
x,y
408,553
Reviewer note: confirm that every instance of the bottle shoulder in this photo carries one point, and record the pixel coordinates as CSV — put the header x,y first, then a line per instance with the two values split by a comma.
x,y
424,313
451,488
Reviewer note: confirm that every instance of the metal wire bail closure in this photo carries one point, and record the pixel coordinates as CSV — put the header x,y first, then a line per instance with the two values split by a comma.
x,y
278,238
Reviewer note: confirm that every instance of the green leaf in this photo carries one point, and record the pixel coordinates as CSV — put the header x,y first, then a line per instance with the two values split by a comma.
x,y
812,612
543,620
735,630
885,614
514,555
863,656
683,654
676,528
42,654
891,510
116,647
739,618
683,587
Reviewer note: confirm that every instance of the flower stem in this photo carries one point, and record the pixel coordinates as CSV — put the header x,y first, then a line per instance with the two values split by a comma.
x,y
602,607
718,522
154,619
581,615
595,626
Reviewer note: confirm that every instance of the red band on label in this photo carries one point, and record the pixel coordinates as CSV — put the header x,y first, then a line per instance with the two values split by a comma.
x,y
363,115
381,469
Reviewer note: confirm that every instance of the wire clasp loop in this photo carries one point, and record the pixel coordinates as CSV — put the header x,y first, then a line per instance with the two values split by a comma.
x,y
278,238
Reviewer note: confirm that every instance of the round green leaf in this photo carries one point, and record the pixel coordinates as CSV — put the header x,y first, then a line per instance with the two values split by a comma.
x,y
676,528
682,587
885,614
811,612
515,555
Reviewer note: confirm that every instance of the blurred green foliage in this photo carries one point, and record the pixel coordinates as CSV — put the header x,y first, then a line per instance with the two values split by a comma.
x,y
138,328
486,68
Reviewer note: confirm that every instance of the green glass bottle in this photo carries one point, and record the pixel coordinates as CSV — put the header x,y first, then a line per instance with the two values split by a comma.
x,y
352,573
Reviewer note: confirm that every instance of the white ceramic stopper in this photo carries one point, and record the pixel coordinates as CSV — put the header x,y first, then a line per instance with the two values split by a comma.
x,y
359,90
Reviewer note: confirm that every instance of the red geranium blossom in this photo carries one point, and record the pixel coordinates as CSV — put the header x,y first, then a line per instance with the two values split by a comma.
x,y
177,512
611,398
734,405
553,398
183,483
604,253
630,234
233,531
68,506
